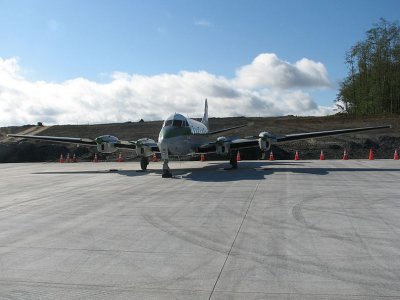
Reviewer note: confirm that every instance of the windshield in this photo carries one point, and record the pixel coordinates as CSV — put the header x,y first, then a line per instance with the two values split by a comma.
x,y
176,121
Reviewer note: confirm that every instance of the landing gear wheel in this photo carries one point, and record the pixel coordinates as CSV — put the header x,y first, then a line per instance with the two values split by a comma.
x,y
233,159
144,161
263,155
166,172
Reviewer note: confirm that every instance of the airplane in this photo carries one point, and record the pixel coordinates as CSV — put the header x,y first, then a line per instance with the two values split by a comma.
x,y
181,136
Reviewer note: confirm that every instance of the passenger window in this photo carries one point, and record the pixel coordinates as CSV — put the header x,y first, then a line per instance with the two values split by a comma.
x,y
168,123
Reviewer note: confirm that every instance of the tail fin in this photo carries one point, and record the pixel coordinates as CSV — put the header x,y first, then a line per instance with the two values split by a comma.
x,y
205,117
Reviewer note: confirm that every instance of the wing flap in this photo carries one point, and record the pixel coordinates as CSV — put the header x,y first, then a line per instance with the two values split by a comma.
x,y
243,143
123,145
207,148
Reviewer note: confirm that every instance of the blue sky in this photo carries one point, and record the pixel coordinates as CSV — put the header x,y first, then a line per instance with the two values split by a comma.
x,y
54,48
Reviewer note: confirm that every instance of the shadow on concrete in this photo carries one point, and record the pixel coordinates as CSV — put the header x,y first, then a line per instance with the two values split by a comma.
x,y
220,172
261,170
131,173
325,171
212,172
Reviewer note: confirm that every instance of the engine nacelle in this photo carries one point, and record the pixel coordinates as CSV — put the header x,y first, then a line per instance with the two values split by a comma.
x,y
265,141
142,149
222,146
105,143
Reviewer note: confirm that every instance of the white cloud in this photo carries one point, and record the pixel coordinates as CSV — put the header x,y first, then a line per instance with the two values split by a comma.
x,y
8,68
203,23
267,70
266,87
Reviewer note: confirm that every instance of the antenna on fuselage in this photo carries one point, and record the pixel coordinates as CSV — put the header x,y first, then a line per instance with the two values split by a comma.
x,y
205,116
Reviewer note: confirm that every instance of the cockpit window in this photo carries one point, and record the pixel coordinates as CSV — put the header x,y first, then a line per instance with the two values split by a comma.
x,y
177,123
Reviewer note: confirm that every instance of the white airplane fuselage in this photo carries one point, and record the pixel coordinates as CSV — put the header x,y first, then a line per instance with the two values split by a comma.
x,y
181,136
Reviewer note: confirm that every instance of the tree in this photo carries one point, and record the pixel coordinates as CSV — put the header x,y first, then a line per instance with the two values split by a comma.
x,y
372,85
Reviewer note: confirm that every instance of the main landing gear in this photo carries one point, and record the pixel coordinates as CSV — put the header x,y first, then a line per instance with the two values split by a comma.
x,y
166,173
233,159
144,162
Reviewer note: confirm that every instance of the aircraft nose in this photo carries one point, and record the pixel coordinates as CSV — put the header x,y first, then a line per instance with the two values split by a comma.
x,y
163,144
166,132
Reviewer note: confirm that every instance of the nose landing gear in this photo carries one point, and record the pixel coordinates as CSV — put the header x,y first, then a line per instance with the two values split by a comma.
x,y
166,173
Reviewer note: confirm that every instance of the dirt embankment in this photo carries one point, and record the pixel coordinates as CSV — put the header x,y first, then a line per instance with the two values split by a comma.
x,y
382,141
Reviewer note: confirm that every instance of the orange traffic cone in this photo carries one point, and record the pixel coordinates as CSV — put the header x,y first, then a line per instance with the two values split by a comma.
x,y
345,155
371,155
271,156
68,159
322,156
396,155
202,157
120,158
238,156
95,159
61,160
154,158
296,156
74,158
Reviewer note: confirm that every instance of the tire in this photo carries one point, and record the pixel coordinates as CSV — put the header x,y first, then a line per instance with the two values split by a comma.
x,y
144,161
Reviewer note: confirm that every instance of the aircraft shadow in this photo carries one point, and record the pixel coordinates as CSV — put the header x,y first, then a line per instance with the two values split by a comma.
x,y
212,172
130,173
220,172
262,169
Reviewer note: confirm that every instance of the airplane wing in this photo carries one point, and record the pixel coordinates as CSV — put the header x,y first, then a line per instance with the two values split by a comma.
x,y
224,144
69,140
307,135
79,141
